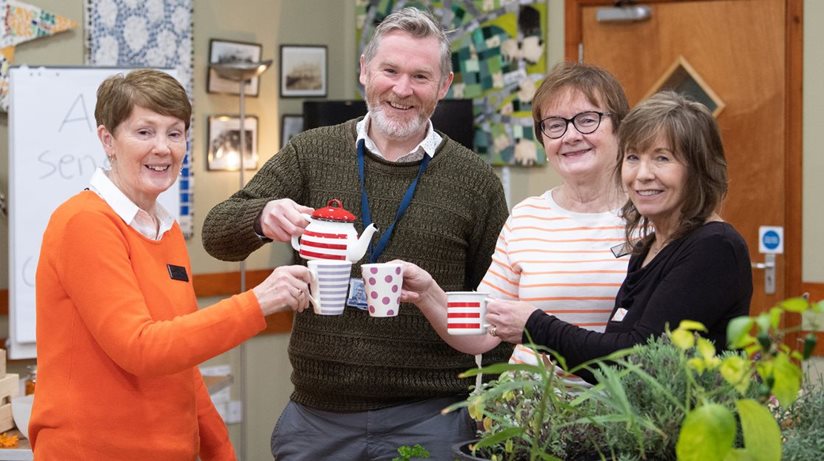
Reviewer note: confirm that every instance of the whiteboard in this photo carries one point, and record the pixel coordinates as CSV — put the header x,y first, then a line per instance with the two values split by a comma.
x,y
53,151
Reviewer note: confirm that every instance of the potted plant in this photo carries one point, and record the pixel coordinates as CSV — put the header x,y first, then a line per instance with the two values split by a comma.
x,y
672,398
528,409
801,426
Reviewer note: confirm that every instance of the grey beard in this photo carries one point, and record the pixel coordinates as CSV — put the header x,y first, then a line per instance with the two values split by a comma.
x,y
393,129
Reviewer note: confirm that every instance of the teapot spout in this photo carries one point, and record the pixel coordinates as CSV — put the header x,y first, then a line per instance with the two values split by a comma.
x,y
357,249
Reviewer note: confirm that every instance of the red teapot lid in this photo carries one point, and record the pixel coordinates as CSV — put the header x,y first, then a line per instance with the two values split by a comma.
x,y
333,211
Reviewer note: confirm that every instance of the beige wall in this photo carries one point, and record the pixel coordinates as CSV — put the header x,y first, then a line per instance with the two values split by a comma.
x,y
813,226
331,22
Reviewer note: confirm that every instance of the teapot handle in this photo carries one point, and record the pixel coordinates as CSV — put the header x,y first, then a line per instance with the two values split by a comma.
x,y
295,243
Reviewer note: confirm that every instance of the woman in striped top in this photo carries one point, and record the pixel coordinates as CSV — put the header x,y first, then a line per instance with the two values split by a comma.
x,y
554,251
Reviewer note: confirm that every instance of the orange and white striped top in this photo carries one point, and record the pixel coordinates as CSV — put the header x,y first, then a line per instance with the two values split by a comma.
x,y
559,261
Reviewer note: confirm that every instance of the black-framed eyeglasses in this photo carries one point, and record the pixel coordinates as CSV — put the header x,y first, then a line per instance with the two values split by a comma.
x,y
585,122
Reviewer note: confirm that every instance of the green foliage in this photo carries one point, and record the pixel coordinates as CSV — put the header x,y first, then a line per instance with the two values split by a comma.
x,y
707,434
775,363
527,414
651,392
802,427
672,398
777,375
407,453
760,430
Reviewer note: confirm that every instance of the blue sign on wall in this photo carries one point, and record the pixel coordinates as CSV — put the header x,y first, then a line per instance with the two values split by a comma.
x,y
771,239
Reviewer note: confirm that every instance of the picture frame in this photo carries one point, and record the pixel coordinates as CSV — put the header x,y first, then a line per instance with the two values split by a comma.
x,y
222,51
290,125
303,71
224,143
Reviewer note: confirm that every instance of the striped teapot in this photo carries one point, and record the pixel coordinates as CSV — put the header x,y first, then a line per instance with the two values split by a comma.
x,y
331,235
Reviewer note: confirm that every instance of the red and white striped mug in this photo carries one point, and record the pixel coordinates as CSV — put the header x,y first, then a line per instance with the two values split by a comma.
x,y
466,313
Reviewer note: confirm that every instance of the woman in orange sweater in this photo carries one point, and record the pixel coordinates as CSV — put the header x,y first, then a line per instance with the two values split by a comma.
x,y
119,332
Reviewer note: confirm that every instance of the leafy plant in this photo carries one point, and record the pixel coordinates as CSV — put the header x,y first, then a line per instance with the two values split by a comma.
x,y
672,398
407,453
772,369
530,413
801,426
648,394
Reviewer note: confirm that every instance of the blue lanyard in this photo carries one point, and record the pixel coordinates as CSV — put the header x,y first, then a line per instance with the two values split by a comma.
x,y
367,215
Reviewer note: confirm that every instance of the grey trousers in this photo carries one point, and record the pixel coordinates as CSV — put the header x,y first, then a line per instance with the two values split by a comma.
x,y
307,434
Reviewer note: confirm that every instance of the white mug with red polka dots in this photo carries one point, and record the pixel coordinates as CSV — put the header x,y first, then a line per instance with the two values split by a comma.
x,y
382,282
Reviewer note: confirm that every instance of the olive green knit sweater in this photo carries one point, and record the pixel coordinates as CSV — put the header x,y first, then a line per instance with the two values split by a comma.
x,y
355,362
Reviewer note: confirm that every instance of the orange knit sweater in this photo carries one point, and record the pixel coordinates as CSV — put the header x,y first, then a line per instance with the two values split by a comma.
x,y
118,341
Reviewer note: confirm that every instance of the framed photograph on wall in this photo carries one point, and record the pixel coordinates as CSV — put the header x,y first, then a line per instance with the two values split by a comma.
x,y
290,125
224,143
223,51
303,71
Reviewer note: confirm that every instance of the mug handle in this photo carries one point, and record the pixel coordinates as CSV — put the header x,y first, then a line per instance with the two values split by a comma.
x,y
485,326
295,243
314,291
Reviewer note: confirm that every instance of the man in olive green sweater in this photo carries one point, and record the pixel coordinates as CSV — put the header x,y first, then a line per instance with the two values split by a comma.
x,y
365,386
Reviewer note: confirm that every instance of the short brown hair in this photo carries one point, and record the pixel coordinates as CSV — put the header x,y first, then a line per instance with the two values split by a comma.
x,y
596,84
147,88
692,133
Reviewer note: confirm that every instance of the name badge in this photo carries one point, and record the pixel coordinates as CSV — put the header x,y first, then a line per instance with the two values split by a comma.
x,y
620,313
620,250
357,294
177,273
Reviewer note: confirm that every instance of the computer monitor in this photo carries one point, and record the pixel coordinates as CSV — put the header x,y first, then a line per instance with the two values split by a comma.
x,y
452,116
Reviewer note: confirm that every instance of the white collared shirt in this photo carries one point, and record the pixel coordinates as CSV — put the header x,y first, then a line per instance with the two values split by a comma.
x,y
129,212
428,146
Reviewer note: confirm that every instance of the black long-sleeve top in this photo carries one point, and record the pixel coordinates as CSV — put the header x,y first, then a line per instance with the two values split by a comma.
x,y
703,276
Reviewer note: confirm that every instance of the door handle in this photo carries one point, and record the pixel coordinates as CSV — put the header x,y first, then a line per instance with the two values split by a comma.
x,y
768,266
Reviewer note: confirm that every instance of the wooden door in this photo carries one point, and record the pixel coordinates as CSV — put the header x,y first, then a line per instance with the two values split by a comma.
x,y
741,52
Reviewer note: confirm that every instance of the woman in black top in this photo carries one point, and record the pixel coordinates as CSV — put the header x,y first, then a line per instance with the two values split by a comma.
x,y
686,263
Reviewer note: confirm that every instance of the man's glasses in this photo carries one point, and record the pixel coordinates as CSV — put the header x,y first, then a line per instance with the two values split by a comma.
x,y
585,123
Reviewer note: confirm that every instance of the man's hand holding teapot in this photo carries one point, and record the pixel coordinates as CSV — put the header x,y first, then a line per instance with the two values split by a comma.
x,y
281,219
